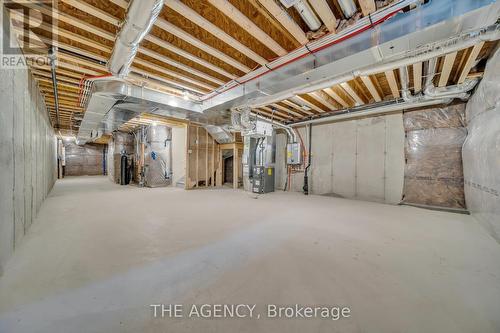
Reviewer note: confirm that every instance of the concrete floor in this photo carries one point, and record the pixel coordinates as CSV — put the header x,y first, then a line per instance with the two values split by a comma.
x,y
100,254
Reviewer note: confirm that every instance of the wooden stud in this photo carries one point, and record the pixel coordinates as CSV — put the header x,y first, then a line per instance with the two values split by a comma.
x,y
236,168
206,158
371,88
325,13
284,18
197,156
391,79
244,22
470,62
187,179
212,168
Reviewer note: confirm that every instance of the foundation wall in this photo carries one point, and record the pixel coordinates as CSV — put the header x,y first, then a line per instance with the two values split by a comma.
x,y
28,158
481,150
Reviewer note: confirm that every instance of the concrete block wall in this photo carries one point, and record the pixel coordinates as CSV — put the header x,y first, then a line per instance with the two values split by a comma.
x,y
28,157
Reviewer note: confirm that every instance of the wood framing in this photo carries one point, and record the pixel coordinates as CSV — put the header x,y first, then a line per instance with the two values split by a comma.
x,y
284,18
367,6
470,62
325,13
449,60
392,83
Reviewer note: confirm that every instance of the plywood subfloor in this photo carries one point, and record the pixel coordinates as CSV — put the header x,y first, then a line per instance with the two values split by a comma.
x,y
100,254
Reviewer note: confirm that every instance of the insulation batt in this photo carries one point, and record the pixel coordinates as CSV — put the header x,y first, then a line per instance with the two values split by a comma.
x,y
433,150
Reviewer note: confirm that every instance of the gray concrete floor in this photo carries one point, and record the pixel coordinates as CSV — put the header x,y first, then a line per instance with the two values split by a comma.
x,y
99,254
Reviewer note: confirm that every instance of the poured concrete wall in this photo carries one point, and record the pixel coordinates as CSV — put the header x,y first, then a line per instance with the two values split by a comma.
x,y
178,154
359,159
481,150
27,157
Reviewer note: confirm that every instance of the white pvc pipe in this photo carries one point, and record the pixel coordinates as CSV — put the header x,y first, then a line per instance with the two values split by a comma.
x,y
374,111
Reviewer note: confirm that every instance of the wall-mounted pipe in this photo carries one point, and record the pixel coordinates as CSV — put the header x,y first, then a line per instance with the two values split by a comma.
x,y
457,91
423,54
141,16
381,109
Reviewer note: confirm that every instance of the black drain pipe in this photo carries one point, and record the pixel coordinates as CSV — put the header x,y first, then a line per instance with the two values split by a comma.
x,y
306,176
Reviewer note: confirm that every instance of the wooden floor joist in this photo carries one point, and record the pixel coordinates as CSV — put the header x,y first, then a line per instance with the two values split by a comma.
x,y
391,79
234,14
284,18
470,62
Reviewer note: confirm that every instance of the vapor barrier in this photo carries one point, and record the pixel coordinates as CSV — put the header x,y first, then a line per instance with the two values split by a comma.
x,y
433,151
481,151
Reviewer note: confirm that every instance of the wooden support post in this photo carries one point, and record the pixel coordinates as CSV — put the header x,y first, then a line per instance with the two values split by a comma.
x,y
220,169
187,182
206,159
212,169
197,156
236,168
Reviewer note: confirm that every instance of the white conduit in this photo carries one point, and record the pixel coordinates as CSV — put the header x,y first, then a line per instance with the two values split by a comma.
x,y
375,111
424,54
431,96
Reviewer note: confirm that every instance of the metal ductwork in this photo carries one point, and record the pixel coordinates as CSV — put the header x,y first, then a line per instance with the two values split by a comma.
x,y
141,16
348,7
114,101
220,133
428,31
241,121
